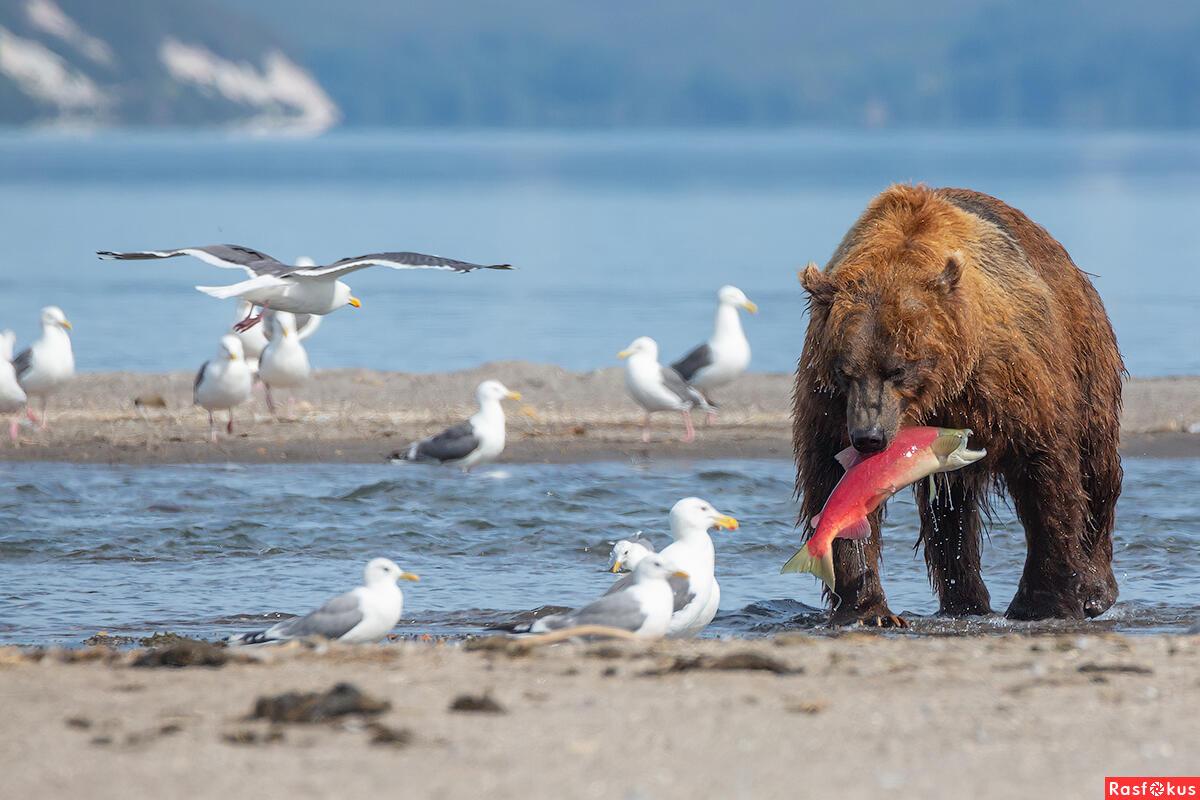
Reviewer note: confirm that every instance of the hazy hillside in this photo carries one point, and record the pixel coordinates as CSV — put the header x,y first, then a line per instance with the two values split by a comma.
x,y
939,63
150,62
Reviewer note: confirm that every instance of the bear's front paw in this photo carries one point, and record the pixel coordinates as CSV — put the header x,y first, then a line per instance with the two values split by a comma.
x,y
1034,604
874,615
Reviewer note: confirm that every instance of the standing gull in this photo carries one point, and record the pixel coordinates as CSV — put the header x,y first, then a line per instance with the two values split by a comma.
x,y
642,606
726,355
284,362
658,388
48,363
628,553
292,287
478,440
222,383
697,599
359,616
12,396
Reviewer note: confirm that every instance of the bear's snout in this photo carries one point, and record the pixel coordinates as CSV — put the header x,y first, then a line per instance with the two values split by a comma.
x,y
869,440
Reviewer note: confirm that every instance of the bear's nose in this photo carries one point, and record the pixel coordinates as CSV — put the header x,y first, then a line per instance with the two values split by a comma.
x,y
868,440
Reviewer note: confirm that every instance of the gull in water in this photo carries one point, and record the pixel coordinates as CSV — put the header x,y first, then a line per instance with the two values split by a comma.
x,y
658,388
223,383
294,287
697,598
12,396
642,606
359,616
478,440
284,362
48,363
628,553
726,355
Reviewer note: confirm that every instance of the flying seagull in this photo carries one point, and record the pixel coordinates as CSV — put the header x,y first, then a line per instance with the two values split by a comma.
x,y
290,287
697,598
658,388
478,440
642,606
726,355
359,616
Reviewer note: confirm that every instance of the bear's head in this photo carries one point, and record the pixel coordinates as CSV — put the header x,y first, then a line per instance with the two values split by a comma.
x,y
886,333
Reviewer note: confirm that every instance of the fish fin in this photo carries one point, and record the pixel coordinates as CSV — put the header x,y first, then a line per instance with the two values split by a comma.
x,y
814,522
857,530
848,458
932,489
805,561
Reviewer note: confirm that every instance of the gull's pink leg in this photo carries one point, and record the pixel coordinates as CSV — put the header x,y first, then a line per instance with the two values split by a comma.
x,y
13,427
45,422
710,418
251,319
212,428
646,428
270,401
229,426
687,421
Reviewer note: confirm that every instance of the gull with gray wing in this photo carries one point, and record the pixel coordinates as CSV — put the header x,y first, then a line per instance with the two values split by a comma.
x,y
478,440
658,388
12,396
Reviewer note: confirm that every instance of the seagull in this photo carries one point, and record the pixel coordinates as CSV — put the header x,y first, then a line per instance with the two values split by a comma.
x,y
478,440
294,287
697,599
658,388
627,553
12,396
284,362
48,363
726,355
642,607
223,382
359,616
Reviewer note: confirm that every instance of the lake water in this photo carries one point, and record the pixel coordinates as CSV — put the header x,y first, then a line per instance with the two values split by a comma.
x,y
616,235
207,550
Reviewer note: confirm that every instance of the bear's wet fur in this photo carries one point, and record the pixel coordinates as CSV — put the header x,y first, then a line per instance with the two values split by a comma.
x,y
948,307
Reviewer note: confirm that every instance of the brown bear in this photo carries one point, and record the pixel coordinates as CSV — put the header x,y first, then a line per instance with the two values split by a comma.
x,y
948,307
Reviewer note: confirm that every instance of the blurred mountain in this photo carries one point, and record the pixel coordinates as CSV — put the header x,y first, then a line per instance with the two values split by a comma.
x,y
150,62
569,63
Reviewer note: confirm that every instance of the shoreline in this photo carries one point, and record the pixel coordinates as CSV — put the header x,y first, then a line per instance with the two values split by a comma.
x,y
362,416
856,715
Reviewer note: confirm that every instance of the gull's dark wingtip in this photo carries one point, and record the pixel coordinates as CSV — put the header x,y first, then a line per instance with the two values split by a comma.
x,y
501,266
106,254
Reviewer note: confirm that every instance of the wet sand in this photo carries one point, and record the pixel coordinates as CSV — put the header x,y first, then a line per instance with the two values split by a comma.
x,y
854,715
363,416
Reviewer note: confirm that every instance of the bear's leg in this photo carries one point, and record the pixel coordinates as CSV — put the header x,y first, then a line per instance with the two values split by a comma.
x,y
860,595
1047,493
1102,476
952,533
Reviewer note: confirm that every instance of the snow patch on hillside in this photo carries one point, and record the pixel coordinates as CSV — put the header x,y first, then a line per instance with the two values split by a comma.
x,y
40,73
48,17
285,95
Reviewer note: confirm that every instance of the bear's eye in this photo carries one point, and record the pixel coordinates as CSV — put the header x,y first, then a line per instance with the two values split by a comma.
x,y
893,373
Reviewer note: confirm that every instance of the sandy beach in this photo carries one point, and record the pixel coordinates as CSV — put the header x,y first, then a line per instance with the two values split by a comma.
x,y
853,715
363,416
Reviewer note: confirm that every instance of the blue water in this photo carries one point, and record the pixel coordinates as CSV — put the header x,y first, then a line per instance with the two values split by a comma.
x,y
616,235
206,550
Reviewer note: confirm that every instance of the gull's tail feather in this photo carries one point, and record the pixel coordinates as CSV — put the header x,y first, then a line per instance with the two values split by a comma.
x,y
238,289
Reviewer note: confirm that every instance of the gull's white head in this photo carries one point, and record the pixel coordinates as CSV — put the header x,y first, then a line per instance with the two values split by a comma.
x,y
285,323
693,514
733,296
342,296
494,390
655,567
641,346
53,317
384,571
230,348
626,555
8,341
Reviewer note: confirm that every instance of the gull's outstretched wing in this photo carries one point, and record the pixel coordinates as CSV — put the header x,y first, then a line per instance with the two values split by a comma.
x,y
227,256
394,261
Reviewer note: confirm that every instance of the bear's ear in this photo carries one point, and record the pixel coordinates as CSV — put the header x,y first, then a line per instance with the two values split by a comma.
x,y
947,282
817,284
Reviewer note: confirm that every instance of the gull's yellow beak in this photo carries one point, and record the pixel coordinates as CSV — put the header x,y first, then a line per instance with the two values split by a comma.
x,y
514,395
625,354
409,576
616,567
726,523
750,306
680,574
285,333
66,324
354,301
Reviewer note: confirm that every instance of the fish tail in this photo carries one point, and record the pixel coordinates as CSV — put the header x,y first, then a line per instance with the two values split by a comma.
x,y
805,561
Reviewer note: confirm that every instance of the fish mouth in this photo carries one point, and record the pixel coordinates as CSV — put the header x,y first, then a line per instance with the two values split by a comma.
x,y
950,447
